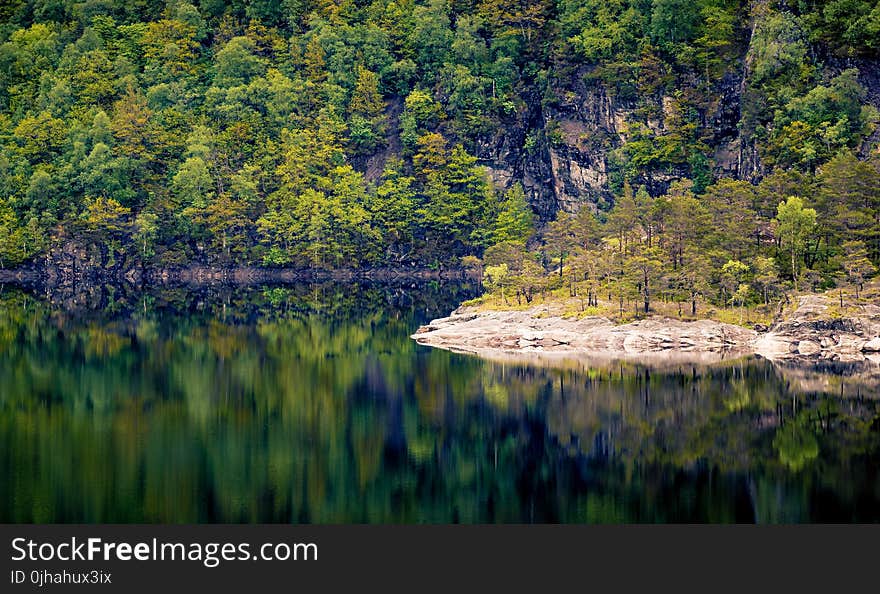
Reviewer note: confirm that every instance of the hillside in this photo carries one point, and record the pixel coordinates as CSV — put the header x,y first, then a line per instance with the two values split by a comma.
x,y
325,135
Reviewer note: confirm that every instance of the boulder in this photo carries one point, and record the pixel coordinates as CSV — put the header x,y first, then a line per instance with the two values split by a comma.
x,y
808,347
872,346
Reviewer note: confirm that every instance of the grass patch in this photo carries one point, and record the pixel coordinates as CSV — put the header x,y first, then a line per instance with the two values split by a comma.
x,y
749,317
560,303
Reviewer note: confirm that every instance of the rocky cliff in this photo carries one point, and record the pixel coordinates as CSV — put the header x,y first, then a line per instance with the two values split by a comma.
x,y
568,151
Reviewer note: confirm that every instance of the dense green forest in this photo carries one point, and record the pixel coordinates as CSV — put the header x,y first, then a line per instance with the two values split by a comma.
x,y
710,148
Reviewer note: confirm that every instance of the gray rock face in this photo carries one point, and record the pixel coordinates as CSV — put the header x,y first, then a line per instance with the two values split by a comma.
x,y
810,332
563,152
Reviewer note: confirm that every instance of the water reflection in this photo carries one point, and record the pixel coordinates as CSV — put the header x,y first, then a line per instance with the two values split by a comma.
x,y
309,403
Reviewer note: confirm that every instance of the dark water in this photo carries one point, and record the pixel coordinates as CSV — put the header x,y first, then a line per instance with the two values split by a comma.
x,y
311,404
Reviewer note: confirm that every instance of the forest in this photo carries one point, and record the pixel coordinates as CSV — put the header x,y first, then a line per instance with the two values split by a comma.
x,y
713,150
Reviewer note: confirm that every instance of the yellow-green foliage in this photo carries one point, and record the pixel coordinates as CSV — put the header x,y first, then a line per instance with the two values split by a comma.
x,y
351,134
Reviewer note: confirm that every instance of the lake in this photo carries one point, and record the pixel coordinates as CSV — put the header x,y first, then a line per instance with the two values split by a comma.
x,y
310,403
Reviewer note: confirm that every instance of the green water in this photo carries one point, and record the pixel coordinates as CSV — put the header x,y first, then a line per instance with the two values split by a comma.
x,y
310,403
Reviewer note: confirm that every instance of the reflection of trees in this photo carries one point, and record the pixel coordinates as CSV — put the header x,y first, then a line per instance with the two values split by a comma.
x,y
309,403
796,444
703,424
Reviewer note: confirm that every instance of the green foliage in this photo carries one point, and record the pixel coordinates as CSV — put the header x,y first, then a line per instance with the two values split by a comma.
x,y
496,277
343,134
674,21
850,27
515,220
813,127
721,249
237,63
856,265
607,29
15,244
367,125
796,225
421,113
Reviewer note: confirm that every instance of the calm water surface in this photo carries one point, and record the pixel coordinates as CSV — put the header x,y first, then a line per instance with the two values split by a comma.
x,y
310,403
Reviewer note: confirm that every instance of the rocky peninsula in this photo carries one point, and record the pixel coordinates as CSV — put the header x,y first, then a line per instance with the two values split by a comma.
x,y
815,331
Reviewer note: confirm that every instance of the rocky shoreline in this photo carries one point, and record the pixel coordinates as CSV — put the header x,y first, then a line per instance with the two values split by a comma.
x,y
810,334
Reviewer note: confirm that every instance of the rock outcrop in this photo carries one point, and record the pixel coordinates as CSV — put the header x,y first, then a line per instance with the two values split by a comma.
x,y
810,333
529,331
